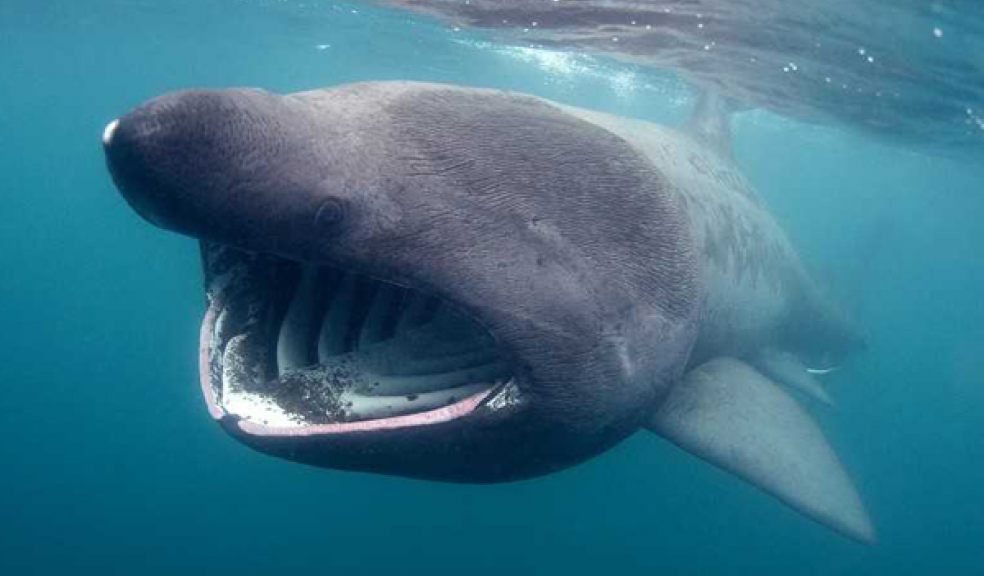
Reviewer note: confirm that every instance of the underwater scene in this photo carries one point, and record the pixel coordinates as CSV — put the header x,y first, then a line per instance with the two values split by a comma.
x,y
492,287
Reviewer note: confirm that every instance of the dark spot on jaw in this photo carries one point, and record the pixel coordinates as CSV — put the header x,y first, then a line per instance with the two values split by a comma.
x,y
412,397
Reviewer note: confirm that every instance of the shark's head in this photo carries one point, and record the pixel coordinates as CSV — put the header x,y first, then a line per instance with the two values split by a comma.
x,y
415,279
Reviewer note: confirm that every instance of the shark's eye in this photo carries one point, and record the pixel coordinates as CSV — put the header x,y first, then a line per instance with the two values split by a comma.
x,y
330,215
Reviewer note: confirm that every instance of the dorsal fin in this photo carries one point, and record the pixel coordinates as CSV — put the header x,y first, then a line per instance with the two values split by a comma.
x,y
710,121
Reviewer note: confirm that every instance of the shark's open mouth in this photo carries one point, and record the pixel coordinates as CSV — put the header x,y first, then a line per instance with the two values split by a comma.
x,y
296,349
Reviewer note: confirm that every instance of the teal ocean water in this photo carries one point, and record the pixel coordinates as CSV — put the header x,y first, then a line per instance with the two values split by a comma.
x,y
110,464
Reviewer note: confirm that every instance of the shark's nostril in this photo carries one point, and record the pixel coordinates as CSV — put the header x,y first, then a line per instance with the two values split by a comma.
x,y
108,131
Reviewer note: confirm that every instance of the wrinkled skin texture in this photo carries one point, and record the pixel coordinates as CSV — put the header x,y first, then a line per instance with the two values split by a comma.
x,y
555,234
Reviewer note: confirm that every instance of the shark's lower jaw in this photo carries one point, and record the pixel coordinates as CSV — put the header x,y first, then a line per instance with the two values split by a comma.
x,y
295,349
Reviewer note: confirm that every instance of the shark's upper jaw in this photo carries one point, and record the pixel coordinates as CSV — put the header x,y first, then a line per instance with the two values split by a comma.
x,y
291,349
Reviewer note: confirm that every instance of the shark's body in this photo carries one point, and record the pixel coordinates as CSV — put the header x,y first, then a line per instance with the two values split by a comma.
x,y
759,308
475,285
757,297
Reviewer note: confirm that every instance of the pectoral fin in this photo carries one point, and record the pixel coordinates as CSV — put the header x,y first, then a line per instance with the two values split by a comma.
x,y
730,415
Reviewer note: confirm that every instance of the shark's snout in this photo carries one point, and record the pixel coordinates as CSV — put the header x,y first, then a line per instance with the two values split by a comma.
x,y
141,148
108,131
200,162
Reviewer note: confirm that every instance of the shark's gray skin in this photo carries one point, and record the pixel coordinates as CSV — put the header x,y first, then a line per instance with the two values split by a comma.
x,y
480,286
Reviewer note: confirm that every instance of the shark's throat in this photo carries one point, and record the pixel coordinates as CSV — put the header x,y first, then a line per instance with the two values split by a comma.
x,y
294,345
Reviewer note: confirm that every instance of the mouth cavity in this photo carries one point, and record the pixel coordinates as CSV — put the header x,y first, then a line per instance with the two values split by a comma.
x,y
290,348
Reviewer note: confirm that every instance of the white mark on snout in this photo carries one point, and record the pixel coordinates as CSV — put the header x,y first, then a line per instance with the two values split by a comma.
x,y
109,130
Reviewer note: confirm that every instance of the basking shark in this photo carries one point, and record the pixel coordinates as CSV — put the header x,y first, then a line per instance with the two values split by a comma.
x,y
472,285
